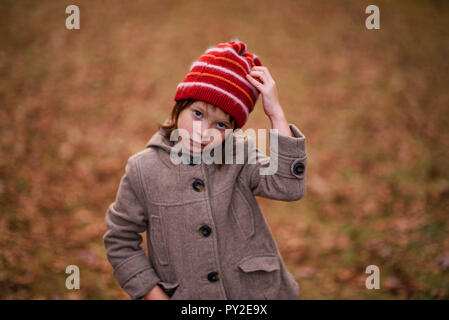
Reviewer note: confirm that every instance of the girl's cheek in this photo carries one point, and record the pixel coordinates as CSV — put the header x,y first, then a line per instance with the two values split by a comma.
x,y
218,142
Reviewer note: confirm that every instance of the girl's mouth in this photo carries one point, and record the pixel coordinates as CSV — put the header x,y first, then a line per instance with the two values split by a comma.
x,y
197,143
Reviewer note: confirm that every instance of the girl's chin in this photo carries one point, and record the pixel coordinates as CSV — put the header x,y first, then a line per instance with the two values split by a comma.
x,y
192,149
196,151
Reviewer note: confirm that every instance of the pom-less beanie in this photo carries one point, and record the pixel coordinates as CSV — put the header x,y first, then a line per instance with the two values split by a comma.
x,y
218,77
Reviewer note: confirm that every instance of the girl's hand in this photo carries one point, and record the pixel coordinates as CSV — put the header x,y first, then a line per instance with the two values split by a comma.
x,y
156,293
261,78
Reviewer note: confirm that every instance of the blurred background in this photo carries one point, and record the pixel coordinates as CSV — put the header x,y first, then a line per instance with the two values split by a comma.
x,y
373,104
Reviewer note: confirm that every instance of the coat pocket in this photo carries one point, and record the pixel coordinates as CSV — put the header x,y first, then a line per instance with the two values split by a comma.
x,y
243,214
158,240
261,276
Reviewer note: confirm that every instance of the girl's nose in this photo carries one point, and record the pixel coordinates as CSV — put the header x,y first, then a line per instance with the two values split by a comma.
x,y
202,134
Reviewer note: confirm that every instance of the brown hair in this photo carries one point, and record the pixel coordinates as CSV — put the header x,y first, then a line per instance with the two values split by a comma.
x,y
173,124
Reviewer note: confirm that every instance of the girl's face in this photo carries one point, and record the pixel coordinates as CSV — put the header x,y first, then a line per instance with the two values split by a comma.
x,y
213,121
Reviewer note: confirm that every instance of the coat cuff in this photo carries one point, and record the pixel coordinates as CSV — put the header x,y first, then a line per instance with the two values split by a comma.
x,y
291,147
291,154
136,276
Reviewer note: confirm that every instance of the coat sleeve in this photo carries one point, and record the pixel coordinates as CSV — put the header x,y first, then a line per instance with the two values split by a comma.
x,y
286,178
125,218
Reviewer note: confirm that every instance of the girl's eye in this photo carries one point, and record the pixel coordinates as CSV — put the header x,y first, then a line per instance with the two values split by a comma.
x,y
197,113
223,126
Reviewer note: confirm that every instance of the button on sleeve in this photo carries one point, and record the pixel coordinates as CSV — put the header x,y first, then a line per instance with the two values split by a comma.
x,y
298,168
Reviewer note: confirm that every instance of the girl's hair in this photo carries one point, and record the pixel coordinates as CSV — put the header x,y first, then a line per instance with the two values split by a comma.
x,y
173,124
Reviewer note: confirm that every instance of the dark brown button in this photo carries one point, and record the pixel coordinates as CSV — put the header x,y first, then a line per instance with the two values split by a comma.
x,y
205,231
213,276
198,185
299,168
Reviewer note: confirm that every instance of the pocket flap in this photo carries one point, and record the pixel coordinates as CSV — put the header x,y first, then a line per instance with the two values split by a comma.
x,y
264,263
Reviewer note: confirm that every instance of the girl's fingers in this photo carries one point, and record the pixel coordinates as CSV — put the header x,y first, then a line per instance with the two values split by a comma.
x,y
265,73
259,74
255,83
268,72
260,68
264,70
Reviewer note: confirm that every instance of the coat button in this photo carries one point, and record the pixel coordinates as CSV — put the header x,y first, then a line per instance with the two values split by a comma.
x,y
299,168
205,231
213,276
198,185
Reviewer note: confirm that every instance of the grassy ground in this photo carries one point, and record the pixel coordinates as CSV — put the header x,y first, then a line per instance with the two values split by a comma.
x,y
374,105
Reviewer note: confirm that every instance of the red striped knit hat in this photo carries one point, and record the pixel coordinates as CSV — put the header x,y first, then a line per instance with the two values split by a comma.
x,y
218,77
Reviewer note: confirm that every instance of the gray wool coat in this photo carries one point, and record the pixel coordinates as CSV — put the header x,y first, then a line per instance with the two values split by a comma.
x,y
206,235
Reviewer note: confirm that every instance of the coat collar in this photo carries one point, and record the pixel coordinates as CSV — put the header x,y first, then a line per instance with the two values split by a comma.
x,y
164,147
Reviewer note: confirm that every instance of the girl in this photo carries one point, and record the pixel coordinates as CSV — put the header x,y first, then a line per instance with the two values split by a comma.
x,y
206,235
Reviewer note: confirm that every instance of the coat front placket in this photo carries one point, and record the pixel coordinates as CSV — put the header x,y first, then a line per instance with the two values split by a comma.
x,y
192,233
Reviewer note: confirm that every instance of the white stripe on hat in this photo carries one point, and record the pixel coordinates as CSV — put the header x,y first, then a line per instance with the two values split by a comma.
x,y
249,85
202,84
233,52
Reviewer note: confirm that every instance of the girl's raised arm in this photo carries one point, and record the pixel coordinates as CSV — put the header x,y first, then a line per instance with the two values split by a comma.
x,y
287,178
